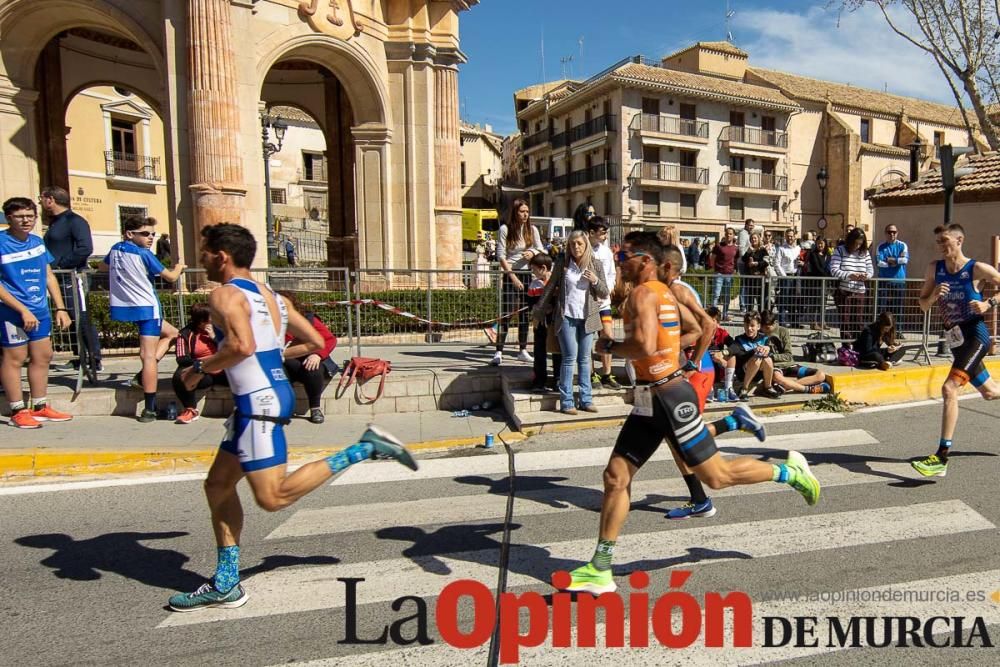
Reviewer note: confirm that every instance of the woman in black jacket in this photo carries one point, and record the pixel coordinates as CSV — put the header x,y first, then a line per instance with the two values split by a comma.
x,y
816,265
869,343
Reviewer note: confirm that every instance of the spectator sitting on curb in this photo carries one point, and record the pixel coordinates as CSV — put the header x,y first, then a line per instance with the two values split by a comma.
x,y
788,375
752,350
725,368
869,344
314,369
195,341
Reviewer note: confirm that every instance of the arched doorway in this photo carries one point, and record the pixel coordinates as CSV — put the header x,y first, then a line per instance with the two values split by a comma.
x,y
321,193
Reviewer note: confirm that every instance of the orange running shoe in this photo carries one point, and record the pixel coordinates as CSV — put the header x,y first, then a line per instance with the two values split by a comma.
x,y
49,414
188,416
23,419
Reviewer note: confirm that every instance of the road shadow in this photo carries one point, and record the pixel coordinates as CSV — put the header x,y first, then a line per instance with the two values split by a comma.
x,y
474,544
124,554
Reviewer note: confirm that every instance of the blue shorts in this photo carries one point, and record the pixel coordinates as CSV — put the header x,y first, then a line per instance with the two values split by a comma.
x,y
12,333
150,327
259,444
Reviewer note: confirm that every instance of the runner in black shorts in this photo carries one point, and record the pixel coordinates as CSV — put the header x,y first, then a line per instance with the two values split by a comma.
x,y
954,282
665,406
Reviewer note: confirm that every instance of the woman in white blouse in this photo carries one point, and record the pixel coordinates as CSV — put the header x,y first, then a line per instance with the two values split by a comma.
x,y
518,242
852,264
579,287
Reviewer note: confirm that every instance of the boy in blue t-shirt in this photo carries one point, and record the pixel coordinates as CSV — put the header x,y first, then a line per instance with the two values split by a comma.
x,y
752,350
25,323
133,266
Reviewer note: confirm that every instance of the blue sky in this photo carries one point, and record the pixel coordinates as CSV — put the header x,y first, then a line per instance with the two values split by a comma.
x,y
502,39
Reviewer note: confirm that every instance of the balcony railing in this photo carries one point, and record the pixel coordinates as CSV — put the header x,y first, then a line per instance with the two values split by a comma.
x,y
672,173
605,123
755,136
560,140
606,171
536,139
754,180
652,122
127,165
538,177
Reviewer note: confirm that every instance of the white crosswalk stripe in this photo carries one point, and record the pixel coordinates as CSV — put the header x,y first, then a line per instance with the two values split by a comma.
x,y
684,545
315,588
582,458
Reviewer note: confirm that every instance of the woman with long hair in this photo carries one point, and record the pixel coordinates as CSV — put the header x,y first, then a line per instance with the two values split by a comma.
x,y
852,264
877,346
582,215
312,369
668,236
518,241
578,287
816,266
754,269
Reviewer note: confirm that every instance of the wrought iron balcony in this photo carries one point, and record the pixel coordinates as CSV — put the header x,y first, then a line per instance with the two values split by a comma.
x,y
605,123
129,165
539,177
754,180
651,122
536,139
670,173
755,136
606,171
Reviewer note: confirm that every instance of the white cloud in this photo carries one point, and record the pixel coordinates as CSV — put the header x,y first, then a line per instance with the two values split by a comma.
x,y
862,51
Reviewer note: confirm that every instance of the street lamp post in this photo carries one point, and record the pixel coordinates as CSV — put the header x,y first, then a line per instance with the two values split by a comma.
x,y
822,179
267,123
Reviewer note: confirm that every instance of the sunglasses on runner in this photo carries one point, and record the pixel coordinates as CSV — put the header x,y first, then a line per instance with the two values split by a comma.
x,y
623,256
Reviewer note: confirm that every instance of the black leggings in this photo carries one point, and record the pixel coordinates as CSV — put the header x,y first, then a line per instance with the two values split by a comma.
x,y
188,397
876,357
313,381
512,299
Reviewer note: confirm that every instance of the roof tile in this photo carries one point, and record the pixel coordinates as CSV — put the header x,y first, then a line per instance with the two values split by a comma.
x,y
705,84
985,178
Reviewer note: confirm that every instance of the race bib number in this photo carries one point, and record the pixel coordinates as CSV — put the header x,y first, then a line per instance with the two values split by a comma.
x,y
954,337
642,403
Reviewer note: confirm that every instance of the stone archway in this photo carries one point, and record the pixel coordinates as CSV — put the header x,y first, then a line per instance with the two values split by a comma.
x,y
338,86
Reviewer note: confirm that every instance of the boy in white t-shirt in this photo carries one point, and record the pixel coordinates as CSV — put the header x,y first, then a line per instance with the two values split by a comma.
x,y
132,268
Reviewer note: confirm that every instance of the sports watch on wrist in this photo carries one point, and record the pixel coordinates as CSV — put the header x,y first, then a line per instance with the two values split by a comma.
x,y
196,367
993,301
608,345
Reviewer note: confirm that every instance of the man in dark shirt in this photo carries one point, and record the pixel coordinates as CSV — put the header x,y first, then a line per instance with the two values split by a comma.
x,y
69,240
723,262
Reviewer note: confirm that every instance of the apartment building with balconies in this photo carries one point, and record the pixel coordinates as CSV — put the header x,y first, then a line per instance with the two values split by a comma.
x,y
701,140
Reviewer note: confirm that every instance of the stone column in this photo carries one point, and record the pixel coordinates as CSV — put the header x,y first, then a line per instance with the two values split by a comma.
x,y
447,158
343,235
18,145
371,166
217,184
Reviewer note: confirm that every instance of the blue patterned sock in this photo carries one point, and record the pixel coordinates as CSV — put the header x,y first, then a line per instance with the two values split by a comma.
x,y
227,571
348,457
782,474
944,448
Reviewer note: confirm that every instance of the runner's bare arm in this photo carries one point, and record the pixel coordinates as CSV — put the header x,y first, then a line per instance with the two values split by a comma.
x,y
231,311
690,328
641,342
708,325
309,340
985,273
929,293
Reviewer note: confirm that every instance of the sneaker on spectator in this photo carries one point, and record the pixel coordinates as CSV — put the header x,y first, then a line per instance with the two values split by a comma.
x,y
146,417
731,396
595,380
47,413
770,392
821,388
316,416
778,388
23,419
711,397
743,396
70,365
526,357
497,359
189,415
609,382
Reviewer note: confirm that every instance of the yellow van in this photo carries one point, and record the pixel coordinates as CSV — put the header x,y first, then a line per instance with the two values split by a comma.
x,y
475,222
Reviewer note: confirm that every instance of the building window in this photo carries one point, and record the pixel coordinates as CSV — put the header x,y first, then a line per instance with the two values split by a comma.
x,y
688,111
463,174
689,205
737,119
736,208
866,130
938,143
651,105
123,138
126,212
650,202
314,167
278,196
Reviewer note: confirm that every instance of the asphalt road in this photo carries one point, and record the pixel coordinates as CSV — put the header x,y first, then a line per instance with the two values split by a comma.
x,y
87,572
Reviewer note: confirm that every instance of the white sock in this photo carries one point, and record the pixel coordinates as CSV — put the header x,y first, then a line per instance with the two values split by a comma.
x,y
730,372
35,402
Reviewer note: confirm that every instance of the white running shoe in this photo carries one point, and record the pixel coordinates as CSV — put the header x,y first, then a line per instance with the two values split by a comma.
x,y
526,357
497,359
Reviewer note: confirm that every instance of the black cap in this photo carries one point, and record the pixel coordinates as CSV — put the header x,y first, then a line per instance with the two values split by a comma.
x,y
595,223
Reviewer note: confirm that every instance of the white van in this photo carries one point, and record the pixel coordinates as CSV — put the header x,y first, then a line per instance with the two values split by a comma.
x,y
552,228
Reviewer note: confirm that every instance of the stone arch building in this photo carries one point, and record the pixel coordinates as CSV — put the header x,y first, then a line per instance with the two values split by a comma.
x,y
380,76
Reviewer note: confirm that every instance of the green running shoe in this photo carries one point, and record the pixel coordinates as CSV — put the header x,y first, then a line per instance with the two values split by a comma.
x,y
804,481
932,466
387,446
206,596
588,579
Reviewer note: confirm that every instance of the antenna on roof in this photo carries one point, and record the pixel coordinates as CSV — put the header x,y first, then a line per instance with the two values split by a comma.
x,y
580,59
543,54
567,60
730,13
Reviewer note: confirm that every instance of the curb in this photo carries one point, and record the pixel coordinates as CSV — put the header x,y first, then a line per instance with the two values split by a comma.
x,y
23,465
898,385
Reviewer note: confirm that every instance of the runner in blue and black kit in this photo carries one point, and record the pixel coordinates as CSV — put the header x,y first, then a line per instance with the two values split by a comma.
x,y
251,320
954,282
25,323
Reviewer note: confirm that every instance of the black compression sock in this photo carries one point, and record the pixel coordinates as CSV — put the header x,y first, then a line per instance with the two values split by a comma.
x,y
695,488
150,399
